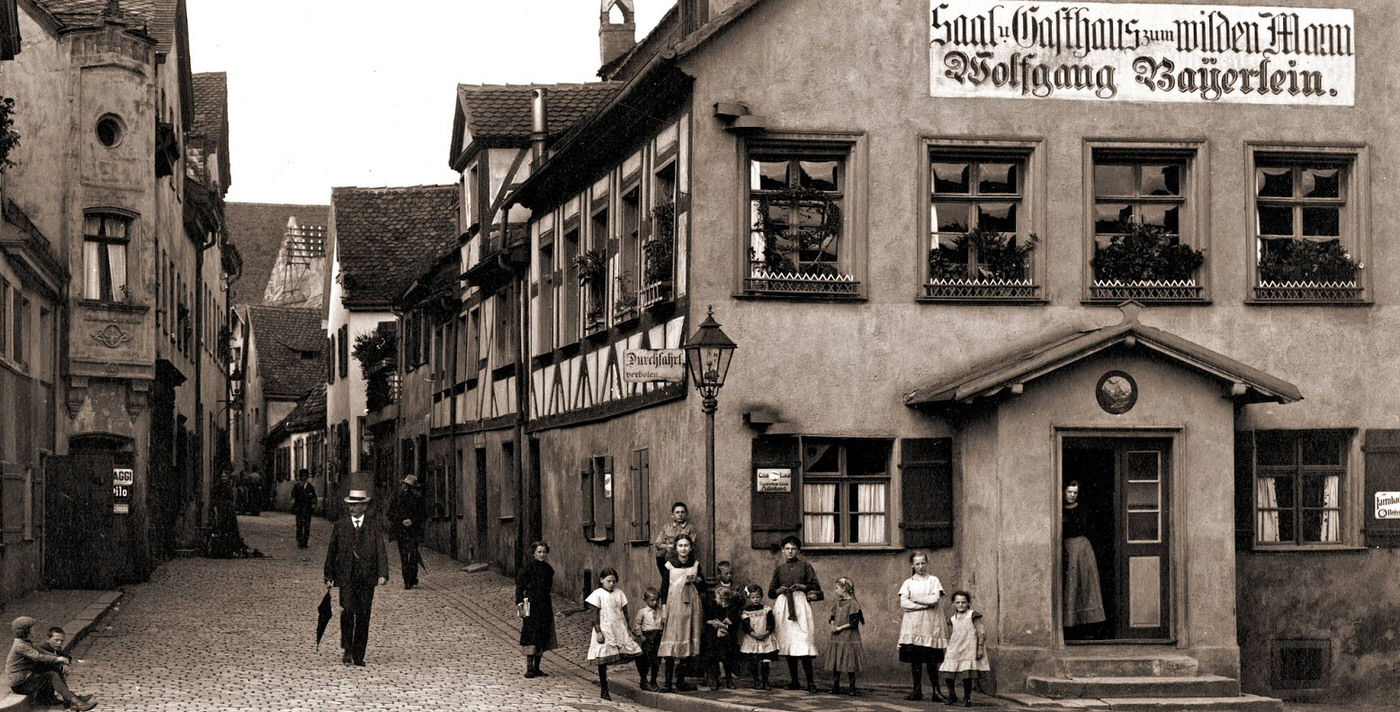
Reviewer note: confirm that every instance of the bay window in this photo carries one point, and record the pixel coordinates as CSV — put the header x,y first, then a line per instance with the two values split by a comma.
x,y
105,239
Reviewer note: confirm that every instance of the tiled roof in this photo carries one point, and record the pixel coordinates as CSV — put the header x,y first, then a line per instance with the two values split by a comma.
x,y
290,347
386,237
309,415
502,112
157,16
210,104
258,230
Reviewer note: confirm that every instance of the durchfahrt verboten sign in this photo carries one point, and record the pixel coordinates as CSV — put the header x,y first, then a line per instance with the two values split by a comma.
x,y
1138,52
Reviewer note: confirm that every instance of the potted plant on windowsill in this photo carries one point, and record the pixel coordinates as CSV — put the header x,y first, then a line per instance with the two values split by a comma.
x,y
658,254
626,304
981,263
1294,269
1146,262
591,266
780,268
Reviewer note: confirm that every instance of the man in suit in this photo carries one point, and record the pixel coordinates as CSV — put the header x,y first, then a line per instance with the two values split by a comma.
x,y
356,561
406,517
303,504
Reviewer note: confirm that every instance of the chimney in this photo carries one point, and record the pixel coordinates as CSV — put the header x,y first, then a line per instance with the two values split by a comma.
x,y
539,126
614,40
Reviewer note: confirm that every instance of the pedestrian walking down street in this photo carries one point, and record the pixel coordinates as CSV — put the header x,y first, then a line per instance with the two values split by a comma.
x,y
38,674
534,603
407,516
793,588
303,504
923,632
356,561
611,641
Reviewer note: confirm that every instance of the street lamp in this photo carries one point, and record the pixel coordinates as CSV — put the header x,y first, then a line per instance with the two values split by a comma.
x,y
707,355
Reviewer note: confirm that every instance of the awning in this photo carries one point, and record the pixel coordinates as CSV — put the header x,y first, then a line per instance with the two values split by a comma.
x,y
1010,374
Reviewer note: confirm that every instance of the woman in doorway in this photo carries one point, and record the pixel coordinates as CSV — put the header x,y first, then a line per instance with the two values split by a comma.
x,y
923,632
534,586
1082,600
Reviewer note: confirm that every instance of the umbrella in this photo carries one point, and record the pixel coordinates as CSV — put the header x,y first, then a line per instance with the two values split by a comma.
x,y
323,617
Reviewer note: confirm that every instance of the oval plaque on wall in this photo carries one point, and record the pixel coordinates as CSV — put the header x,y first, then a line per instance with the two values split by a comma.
x,y
1117,392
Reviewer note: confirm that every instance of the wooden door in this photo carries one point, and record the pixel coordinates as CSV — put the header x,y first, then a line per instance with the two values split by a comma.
x,y
78,505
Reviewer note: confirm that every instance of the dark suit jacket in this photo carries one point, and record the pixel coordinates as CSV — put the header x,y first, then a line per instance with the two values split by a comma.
x,y
303,498
343,550
408,504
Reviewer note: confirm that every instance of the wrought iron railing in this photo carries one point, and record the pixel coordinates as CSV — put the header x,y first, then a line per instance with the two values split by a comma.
x,y
1308,291
763,281
1146,290
980,289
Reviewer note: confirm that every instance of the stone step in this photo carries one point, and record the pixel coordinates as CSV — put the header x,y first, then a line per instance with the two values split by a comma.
x,y
1145,666
1229,703
1143,686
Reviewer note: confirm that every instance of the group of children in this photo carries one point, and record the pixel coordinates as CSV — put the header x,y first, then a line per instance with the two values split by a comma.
x,y
729,626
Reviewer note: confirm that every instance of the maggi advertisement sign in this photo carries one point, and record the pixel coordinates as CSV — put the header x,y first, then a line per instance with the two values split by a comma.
x,y
1137,52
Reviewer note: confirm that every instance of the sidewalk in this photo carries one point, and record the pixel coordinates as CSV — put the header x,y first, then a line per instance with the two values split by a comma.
x,y
78,612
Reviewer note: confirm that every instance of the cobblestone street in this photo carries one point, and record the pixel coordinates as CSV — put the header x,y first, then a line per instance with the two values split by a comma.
x,y
215,634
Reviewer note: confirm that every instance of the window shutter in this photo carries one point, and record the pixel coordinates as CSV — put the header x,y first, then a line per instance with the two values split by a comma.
x,y
586,497
1382,451
774,515
344,350
1244,490
330,359
640,471
926,486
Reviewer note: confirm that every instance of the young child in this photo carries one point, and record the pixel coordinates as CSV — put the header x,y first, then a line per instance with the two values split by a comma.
x,y
758,646
966,658
845,651
716,639
647,627
611,641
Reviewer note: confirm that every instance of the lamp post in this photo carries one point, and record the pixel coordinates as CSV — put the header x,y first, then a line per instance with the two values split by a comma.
x,y
707,355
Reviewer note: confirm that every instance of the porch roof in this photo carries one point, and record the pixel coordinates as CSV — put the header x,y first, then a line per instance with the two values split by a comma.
x,y
1010,373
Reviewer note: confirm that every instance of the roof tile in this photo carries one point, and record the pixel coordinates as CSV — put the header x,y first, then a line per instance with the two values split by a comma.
x,y
502,112
290,347
386,237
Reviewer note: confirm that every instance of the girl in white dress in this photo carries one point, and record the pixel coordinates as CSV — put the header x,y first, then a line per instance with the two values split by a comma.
x,y
923,632
967,654
611,641
793,588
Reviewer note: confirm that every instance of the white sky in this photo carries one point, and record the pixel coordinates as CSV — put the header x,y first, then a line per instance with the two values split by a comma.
x,y
327,93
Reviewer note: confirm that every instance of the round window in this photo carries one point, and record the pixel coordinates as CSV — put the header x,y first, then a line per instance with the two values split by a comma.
x,y
109,130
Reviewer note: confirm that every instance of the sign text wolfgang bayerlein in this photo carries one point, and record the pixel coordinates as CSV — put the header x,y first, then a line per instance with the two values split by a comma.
x,y
1138,52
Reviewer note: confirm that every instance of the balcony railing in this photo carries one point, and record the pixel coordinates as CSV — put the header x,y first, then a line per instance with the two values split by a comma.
x,y
980,289
1147,290
653,293
1308,291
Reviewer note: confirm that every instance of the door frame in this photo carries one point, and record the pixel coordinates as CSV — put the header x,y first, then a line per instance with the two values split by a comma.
x,y
1172,521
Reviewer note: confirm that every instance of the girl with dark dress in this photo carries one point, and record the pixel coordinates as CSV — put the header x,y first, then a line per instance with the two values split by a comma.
x,y
1083,601
533,603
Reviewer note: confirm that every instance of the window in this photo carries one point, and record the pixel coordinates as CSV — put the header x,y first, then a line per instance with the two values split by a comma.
x,y
1308,245
629,253
845,491
109,130
569,306
105,237
980,239
4,315
639,490
1143,226
594,277
545,327
798,211
1299,478
596,496
343,355
20,322
658,251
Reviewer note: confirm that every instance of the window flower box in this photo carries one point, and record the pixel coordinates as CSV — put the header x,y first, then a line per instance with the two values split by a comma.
x,y
1305,270
1146,290
1146,263
801,284
653,293
963,288
981,263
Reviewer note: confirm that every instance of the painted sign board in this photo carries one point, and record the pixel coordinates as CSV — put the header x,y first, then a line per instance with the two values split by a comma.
x,y
1388,505
1098,51
774,479
123,478
646,365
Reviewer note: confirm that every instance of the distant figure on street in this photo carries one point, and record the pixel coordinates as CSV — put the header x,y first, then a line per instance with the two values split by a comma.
x,y
356,561
303,504
224,539
406,517
37,674
534,586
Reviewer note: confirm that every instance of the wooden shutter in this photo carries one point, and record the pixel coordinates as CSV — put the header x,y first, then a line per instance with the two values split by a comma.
x,y
586,498
344,350
926,486
1244,490
1382,452
330,360
12,501
639,468
774,514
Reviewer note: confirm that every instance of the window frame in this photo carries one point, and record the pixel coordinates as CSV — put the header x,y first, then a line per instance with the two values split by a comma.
x,y
108,291
1347,484
845,515
1193,227
1355,219
1031,214
852,184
